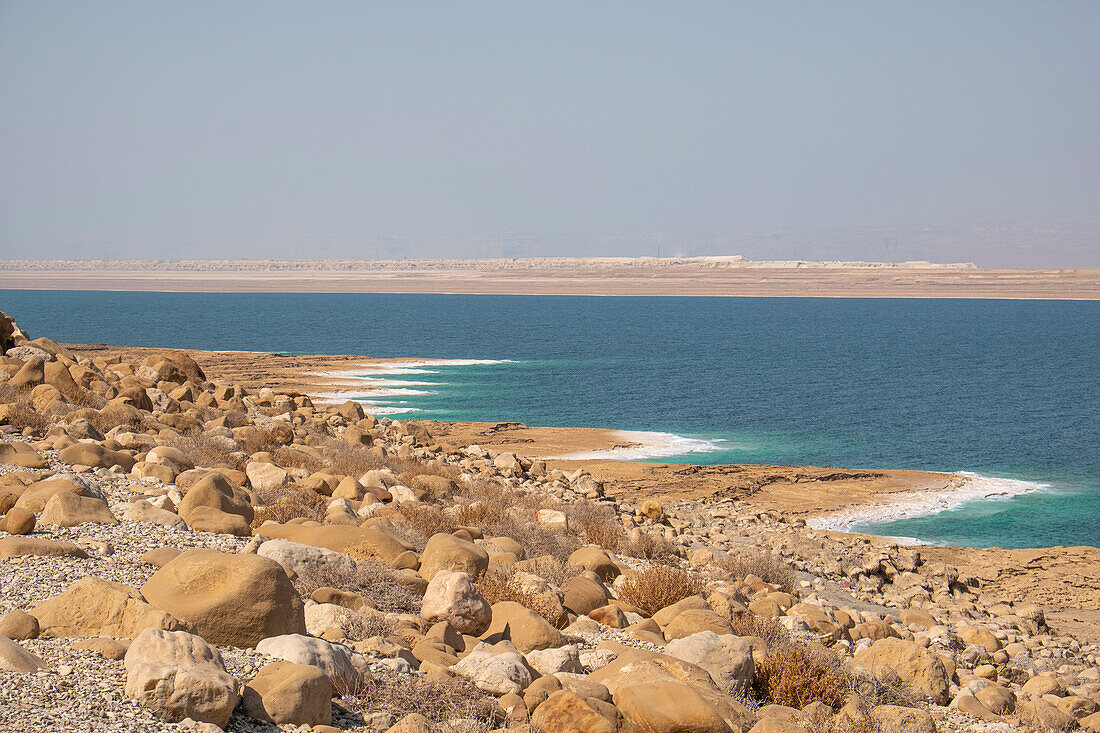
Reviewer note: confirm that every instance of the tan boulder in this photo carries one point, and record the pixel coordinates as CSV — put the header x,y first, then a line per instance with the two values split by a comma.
x,y
263,476
17,521
70,510
37,546
583,595
14,658
694,620
96,607
566,712
911,662
22,455
209,519
609,615
18,625
96,456
283,692
452,598
979,636
447,552
777,725
178,675
230,599
596,560
143,511
34,497
216,492
525,628
1042,715
365,540
911,720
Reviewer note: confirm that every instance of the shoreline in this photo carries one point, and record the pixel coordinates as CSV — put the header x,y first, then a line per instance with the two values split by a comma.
x,y
691,276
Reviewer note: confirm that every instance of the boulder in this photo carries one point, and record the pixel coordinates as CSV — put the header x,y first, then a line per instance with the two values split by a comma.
x,y
367,540
452,598
583,595
596,560
230,599
694,620
209,519
35,496
14,658
266,476
70,510
22,455
96,456
911,720
30,375
334,660
525,628
727,658
911,663
18,521
21,546
143,511
178,675
497,674
96,607
283,692
18,625
566,712
307,561
447,552
554,661
217,492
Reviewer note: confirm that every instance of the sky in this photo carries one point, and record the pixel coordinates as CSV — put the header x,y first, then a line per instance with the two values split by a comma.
x,y
169,130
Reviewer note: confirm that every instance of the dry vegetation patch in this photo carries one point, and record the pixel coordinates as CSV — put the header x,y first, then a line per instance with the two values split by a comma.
x,y
658,587
766,567
799,674
451,705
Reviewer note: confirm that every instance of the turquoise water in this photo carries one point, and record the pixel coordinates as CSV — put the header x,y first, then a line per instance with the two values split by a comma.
x,y
999,388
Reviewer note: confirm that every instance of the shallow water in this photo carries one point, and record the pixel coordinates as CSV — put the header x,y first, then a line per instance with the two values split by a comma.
x,y
1001,388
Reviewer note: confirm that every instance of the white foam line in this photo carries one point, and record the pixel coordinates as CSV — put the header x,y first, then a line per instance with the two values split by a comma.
x,y
962,488
645,444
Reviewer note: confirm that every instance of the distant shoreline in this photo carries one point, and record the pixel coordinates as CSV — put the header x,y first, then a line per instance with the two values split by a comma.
x,y
603,276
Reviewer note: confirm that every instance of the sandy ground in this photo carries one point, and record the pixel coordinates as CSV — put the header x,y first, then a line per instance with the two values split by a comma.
x,y
595,276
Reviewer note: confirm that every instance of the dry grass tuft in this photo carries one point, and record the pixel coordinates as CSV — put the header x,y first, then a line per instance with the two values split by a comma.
x,y
653,547
290,502
768,629
598,525
209,452
373,580
800,674
453,706
766,567
658,587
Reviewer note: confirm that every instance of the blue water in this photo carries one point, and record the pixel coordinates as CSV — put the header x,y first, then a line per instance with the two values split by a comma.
x,y
1002,388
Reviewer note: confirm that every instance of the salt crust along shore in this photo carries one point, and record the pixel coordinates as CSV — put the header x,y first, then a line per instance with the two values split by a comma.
x,y
961,488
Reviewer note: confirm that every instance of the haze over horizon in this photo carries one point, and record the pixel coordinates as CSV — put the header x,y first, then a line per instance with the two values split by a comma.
x,y
850,131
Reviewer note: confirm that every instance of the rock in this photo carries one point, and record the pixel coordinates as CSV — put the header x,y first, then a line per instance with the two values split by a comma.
x,y
216,492
283,692
1042,715
143,511
982,637
17,521
18,625
307,561
1042,684
70,510
552,519
235,600
209,519
320,617
583,595
14,658
20,546
366,540
452,598
160,556
22,455
911,720
999,700
596,560
35,496
778,725
566,712
412,723
447,552
497,674
525,628
95,607
178,675
31,374
553,661
609,615
332,659
694,620
912,663
266,476
727,658
96,456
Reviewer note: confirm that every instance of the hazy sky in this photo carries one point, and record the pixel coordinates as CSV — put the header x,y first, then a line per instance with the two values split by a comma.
x,y
322,129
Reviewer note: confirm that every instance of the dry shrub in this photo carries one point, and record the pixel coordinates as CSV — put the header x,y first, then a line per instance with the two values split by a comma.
x,y
22,415
499,584
417,522
290,502
598,524
766,567
653,547
373,580
658,587
206,451
886,688
345,458
799,674
768,629
553,570
442,702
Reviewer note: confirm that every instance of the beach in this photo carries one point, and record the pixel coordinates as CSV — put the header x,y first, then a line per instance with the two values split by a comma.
x,y
698,276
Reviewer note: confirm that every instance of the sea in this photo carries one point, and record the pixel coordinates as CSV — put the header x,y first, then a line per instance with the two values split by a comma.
x,y
1004,392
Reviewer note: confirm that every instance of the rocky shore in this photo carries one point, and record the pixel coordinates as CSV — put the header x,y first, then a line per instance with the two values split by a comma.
x,y
179,551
